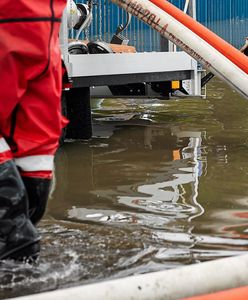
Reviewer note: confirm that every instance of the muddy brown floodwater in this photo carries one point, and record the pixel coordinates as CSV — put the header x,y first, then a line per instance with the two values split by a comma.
x,y
162,184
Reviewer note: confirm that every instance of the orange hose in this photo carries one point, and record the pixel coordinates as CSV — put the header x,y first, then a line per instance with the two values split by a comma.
x,y
234,294
234,55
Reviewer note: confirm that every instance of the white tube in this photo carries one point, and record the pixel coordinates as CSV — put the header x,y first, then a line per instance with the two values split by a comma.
x,y
188,41
174,284
85,24
186,6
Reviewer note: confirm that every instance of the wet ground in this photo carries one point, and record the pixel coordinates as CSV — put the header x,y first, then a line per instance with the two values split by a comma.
x,y
162,185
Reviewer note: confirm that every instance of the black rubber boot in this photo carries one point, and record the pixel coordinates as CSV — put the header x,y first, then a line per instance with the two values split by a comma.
x,y
19,239
38,192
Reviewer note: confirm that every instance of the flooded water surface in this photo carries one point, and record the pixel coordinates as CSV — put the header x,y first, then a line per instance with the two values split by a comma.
x,y
162,184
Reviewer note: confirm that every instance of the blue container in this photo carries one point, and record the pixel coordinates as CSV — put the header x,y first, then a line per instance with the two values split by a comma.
x,y
227,18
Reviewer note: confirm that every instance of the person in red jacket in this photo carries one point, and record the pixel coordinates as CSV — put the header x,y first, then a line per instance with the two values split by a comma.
x,y
30,118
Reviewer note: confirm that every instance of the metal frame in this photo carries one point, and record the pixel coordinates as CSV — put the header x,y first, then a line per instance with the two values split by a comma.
x,y
110,69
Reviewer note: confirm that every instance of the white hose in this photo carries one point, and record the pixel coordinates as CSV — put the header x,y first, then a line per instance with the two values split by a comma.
x,y
85,24
174,284
186,6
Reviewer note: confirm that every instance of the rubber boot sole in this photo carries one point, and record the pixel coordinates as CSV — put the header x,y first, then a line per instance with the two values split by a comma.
x,y
25,253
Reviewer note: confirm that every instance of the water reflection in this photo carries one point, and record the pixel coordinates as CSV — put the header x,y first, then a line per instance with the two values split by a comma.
x,y
171,197
163,189
161,185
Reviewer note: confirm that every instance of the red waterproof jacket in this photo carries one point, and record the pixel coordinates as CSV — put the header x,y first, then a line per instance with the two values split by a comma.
x,y
30,79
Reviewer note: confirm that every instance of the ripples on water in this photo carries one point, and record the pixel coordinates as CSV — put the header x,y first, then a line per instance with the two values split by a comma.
x,y
162,184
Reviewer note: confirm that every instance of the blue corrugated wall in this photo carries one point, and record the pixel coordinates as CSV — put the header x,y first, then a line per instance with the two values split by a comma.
x,y
227,18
